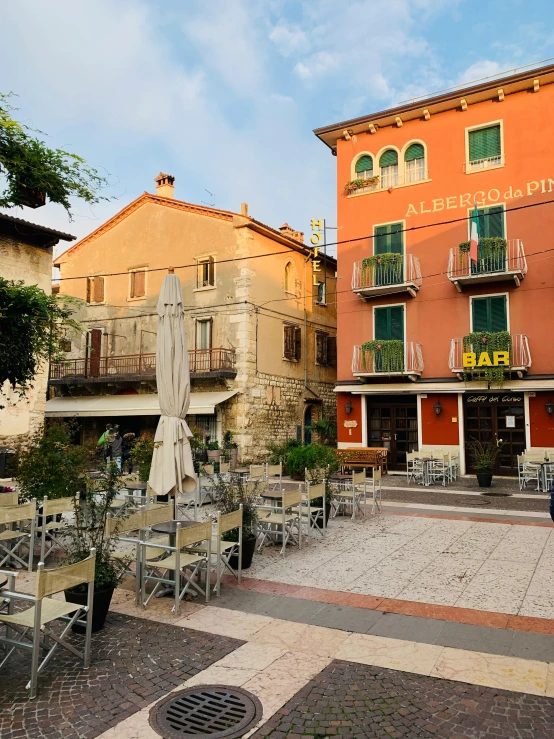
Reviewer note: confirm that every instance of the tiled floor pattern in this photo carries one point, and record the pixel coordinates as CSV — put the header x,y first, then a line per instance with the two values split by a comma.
x,y
489,566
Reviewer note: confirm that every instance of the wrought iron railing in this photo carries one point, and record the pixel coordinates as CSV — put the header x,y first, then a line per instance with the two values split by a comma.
x,y
200,361
404,270
369,361
520,355
508,260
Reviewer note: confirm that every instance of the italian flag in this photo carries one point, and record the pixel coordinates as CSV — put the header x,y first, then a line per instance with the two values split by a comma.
x,y
474,235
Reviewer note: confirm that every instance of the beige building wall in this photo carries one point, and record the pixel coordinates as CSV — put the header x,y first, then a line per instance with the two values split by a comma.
x,y
23,415
248,305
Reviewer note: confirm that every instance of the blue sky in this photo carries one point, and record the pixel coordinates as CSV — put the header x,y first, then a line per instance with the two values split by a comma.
x,y
224,94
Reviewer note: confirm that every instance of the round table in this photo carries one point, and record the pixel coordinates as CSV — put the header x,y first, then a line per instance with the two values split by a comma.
x,y
136,486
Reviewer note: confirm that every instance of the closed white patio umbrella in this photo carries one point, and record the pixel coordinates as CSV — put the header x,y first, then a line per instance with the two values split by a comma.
x,y
172,470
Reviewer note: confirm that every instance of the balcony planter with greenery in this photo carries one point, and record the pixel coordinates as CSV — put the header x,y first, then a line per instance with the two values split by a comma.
x,y
230,494
485,341
360,183
491,254
382,269
484,456
388,355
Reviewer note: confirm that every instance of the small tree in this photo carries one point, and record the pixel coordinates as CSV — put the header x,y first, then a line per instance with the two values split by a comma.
x,y
34,172
141,453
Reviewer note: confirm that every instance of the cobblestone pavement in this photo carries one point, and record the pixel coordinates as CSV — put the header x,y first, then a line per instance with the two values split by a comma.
x,y
135,662
354,701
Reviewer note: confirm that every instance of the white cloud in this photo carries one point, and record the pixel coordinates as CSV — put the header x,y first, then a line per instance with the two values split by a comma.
x,y
288,39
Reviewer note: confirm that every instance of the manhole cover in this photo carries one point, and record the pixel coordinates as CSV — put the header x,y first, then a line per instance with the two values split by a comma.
x,y
206,711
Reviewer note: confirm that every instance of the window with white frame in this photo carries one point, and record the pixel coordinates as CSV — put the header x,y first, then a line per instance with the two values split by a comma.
x,y
205,272
388,165
364,167
484,147
414,163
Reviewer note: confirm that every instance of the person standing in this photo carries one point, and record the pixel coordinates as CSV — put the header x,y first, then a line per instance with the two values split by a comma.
x,y
104,442
117,448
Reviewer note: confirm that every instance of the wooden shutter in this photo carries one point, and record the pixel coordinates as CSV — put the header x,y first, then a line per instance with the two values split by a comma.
x,y
321,347
297,343
389,323
389,238
490,314
491,221
364,164
288,336
98,291
211,271
332,351
484,143
388,158
138,284
415,151
89,289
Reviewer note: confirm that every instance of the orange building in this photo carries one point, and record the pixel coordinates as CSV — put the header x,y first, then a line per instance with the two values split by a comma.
x,y
413,305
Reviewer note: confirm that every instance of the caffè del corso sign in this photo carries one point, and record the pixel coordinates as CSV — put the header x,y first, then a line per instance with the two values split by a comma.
x,y
481,197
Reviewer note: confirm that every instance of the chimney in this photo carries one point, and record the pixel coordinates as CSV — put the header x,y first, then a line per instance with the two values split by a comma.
x,y
288,231
244,209
164,185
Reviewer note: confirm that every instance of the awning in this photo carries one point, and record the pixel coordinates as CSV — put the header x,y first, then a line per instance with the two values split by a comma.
x,y
129,405
415,388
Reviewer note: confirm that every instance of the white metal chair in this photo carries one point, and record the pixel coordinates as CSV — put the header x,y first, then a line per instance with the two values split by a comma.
x,y
50,532
414,467
439,469
376,490
283,522
350,494
274,471
179,566
528,471
19,530
256,472
28,630
313,516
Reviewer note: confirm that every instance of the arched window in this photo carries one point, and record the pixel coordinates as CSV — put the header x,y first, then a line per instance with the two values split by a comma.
x,y
364,167
289,278
414,159
388,164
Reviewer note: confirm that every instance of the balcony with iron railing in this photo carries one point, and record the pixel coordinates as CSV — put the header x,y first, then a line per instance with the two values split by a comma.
x,y
383,274
202,363
516,346
413,173
498,260
378,358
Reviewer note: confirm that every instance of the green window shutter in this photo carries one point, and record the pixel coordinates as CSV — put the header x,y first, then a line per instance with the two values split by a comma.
x,y
498,312
364,164
389,323
388,158
389,238
490,314
491,221
415,151
484,143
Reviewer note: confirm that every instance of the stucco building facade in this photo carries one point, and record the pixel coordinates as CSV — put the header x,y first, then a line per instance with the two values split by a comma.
x,y
261,335
25,254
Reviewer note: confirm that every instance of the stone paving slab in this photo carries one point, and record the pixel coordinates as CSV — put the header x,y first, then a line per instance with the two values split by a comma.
x,y
356,701
474,637
134,662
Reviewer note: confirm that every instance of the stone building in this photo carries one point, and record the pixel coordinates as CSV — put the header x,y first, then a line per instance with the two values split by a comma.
x,y
25,254
260,320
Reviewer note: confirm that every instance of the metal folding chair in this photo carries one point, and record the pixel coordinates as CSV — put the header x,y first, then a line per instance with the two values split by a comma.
x,y
28,630
178,565
9,499
272,471
376,491
528,472
283,522
314,516
18,532
50,532
351,494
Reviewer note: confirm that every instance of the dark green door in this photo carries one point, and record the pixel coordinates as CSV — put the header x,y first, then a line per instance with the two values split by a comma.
x,y
389,239
490,314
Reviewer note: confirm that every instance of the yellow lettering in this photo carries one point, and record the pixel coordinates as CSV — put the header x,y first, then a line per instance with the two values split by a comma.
x,y
315,281
436,203
423,209
316,237
501,358
543,186
494,198
451,202
316,250
316,225
508,195
465,200
518,194
411,211
468,359
316,265
484,360
550,184
532,186
480,200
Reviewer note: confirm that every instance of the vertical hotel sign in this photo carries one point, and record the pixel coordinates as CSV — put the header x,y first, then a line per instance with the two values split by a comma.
x,y
315,240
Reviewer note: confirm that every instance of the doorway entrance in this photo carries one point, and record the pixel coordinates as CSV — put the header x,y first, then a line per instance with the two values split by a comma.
x,y
95,352
495,417
392,424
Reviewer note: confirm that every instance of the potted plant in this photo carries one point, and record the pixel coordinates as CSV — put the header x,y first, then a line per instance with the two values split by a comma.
x,y
229,495
89,530
230,449
314,458
484,456
214,452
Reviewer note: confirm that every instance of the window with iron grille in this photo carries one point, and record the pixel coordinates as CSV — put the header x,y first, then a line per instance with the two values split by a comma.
x,y
292,342
137,283
95,289
205,272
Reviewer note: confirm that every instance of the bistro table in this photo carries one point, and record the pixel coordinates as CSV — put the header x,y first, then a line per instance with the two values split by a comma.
x,y
543,482
170,528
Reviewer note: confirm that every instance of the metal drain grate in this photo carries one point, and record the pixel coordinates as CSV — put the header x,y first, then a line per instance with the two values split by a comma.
x,y
215,711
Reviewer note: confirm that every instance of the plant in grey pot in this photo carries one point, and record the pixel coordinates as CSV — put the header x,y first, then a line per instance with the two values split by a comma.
x,y
230,494
484,455
89,530
214,452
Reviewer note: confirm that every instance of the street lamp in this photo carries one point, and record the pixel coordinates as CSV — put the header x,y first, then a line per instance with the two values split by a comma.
x,y
348,408
438,408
